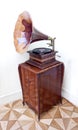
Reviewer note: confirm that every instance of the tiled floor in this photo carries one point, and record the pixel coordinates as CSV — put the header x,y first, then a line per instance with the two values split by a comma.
x,y
15,116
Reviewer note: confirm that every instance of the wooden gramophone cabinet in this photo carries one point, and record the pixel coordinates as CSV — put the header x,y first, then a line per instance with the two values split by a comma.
x,y
41,80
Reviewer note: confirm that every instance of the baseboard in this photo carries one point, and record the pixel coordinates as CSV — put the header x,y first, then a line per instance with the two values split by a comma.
x,y
18,95
70,97
10,97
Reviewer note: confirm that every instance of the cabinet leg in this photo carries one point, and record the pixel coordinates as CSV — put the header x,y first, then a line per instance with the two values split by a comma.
x,y
23,103
60,102
38,116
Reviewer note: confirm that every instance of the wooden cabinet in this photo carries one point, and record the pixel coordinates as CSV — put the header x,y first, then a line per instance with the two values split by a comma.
x,y
41,88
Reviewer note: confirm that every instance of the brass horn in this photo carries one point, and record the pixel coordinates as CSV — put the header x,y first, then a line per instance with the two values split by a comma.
x,y
31,33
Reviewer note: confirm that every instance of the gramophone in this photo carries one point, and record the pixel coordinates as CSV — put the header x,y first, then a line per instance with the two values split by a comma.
x,y
41,76
39,57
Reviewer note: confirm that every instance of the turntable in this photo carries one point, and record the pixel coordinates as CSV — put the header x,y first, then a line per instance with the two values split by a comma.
x,y
42,57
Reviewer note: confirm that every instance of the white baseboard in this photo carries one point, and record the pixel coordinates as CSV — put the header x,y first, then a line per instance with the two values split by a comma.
x,y
10,97
18,95
70,97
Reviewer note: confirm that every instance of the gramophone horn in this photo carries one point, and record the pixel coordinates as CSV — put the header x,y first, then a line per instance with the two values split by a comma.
x,y
37,35
32,34
29,34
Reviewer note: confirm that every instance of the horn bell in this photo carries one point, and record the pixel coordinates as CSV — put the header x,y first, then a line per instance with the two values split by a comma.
x,y
24,32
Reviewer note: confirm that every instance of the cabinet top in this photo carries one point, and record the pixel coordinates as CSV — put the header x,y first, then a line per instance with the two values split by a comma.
x,y
38,70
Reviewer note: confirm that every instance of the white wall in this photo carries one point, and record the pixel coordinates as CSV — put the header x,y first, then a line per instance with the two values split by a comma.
x,y
57,18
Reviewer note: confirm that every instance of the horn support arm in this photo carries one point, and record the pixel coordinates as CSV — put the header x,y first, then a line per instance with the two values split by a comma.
x,y
52,44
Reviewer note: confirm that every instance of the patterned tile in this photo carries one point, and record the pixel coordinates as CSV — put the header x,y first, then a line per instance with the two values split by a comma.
x,y
15,116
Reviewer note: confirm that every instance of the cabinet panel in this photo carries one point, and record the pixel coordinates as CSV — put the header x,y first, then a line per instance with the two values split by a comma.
x,y
29,88
50,83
